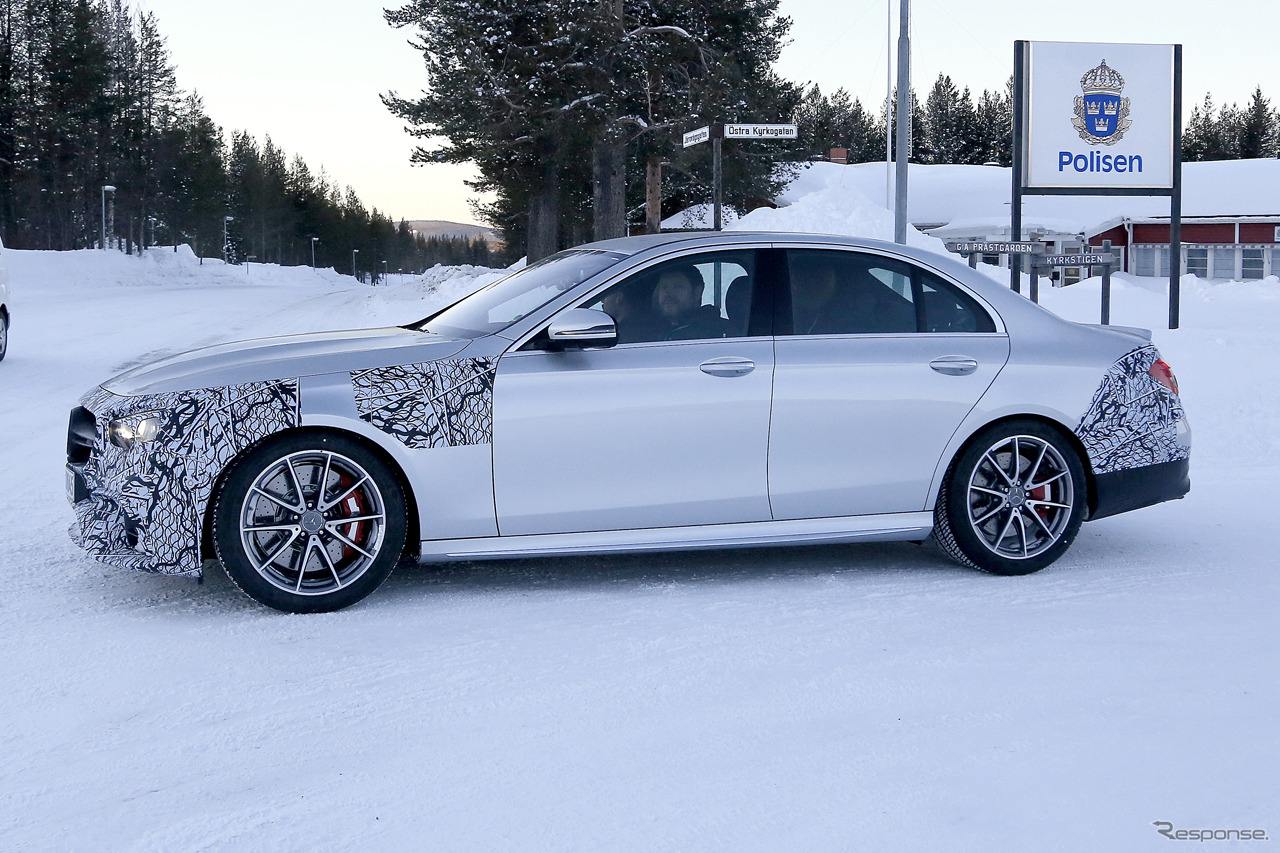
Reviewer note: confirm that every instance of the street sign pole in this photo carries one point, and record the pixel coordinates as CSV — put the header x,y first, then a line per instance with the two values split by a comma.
x,y
717,175
1106,286
1175,199
904,124
1019,117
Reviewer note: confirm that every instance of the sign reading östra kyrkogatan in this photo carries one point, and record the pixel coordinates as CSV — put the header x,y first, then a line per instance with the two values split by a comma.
x,y
1099,116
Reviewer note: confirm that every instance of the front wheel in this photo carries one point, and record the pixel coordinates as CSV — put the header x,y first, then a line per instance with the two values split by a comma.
x,y
309,523
1013,501
4,334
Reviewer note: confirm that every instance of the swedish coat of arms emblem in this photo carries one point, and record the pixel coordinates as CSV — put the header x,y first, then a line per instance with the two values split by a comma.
x,y
1102,116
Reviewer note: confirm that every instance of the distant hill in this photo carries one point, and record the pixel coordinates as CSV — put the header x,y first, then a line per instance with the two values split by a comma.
x,y
444,228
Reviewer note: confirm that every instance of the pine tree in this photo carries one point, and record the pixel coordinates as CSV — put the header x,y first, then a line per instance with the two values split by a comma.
x,y
545,99
1257,128
951,125
994,116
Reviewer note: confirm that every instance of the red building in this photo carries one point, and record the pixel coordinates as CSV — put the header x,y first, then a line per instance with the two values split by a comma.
x,y
1238,247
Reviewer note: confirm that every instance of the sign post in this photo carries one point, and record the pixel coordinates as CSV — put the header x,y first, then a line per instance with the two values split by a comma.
x,y
717,133
1105,259
1099,119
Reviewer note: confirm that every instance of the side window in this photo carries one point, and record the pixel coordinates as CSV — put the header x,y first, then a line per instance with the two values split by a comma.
x,y
948,309
691,298
851,293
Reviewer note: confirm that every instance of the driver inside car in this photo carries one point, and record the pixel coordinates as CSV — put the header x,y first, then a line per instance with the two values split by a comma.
x,y
678,297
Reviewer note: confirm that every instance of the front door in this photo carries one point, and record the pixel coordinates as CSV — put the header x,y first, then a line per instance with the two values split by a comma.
x,y
668,428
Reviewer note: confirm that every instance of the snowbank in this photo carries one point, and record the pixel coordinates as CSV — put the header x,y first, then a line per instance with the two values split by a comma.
x,y
978,196
944,194
834,209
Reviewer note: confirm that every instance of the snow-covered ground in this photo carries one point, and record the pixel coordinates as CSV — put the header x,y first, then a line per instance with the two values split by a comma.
x,y
828,698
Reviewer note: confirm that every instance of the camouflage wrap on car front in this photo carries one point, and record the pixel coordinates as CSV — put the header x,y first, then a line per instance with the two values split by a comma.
x,y
446,403
146,504
1132,421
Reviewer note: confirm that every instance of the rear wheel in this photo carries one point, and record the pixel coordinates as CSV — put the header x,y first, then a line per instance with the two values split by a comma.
x,y
310,523
4,334
1013,501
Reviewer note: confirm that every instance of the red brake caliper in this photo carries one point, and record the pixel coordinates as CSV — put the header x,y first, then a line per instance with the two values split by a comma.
x,y
354,505
1040,494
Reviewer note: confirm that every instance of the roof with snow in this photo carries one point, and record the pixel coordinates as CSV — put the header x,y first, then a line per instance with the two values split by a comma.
x,y
958,200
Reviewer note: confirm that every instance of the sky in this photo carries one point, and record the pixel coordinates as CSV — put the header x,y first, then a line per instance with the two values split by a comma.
x,y
311,80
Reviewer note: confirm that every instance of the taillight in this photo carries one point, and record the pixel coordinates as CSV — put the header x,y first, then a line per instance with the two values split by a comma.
x,y
1163,373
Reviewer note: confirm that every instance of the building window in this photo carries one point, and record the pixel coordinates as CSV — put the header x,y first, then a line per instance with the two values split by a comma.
x,y
1144,260
1251,264
1151,260
1198,261
1224,262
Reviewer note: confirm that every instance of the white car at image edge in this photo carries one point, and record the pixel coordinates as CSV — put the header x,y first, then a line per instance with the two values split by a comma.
x,y
679,391
4,305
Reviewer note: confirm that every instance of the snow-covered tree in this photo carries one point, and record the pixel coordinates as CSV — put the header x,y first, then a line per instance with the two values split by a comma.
x,y
1258,128
554,100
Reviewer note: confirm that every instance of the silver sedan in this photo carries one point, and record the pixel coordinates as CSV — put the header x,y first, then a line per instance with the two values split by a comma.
x,y
651,393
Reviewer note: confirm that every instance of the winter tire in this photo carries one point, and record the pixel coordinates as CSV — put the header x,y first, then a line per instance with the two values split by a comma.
x,y
4,334
310,523
1012,501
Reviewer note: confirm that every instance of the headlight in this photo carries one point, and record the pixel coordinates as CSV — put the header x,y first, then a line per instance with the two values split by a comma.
x,y
124,432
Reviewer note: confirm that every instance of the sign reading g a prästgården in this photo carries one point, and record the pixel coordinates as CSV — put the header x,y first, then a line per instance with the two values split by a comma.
x,y
1099,116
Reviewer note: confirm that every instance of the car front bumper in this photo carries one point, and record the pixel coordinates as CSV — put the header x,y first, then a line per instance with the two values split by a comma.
x,y
143,507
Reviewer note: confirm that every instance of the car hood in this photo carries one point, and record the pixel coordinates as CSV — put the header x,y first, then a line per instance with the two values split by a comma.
x,y
282,358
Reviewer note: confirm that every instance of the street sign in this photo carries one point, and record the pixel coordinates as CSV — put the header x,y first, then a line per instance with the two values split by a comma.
x,y
759,131
1010,247
717,133
694,137
1089,260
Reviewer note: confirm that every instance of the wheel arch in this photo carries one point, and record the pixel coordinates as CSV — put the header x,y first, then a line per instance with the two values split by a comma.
x,y
412,537
1091,486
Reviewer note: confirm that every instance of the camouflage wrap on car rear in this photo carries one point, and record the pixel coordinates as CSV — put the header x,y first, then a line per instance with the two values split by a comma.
x,y
1132,421
146,504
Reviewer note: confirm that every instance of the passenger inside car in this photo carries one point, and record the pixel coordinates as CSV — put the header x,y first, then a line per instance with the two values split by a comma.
x,y
830,296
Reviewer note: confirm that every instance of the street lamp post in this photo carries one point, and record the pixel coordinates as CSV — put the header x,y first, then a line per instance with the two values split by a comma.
x,y
225,220
384,272
354,252
107,188
313,251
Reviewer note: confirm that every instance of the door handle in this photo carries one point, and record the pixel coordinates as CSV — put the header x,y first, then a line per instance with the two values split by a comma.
x,y
727,366
954,365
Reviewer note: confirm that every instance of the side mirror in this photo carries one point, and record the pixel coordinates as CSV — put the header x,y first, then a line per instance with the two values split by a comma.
x,y
579,328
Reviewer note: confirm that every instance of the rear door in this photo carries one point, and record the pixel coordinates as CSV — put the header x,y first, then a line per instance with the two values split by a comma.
x,y
878,362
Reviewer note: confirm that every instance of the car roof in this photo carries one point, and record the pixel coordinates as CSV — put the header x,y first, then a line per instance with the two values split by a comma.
x,y
675,239
639,243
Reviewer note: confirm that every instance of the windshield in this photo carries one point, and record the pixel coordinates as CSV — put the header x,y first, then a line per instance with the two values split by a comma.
x,y
496,306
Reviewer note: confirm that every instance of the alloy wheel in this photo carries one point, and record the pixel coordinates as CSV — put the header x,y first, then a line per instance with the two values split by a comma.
x,y
1020,497
312,522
